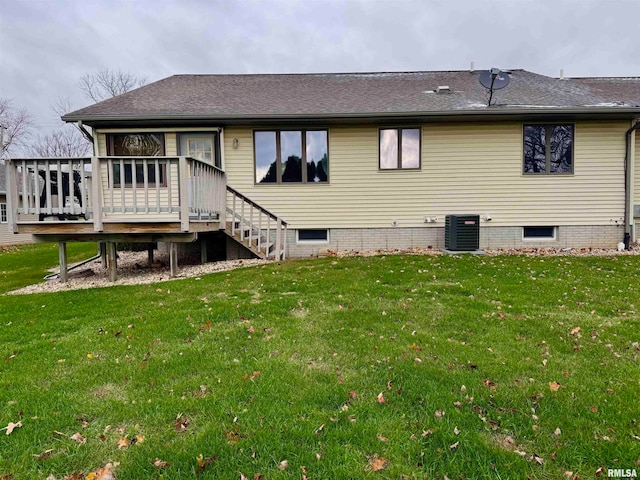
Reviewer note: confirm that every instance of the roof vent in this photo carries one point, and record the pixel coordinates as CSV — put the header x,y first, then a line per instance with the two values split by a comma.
x,y
443,89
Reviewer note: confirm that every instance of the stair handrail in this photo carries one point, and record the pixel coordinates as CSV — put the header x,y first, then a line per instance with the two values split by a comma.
x,y
251,202
280,225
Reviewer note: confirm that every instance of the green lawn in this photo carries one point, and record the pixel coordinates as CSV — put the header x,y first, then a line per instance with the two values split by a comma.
x,y
501,367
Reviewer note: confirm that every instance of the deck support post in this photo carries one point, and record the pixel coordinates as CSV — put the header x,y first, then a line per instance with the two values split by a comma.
x,y
103,254
203,251
62,256
111,255
150,255
278,252
173,258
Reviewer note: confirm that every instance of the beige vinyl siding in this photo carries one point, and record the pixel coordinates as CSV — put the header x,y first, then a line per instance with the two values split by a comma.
x,y
466,168
8,238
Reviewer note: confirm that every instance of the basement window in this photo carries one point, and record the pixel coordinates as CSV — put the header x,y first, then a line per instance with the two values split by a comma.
x,y
539,233
313,236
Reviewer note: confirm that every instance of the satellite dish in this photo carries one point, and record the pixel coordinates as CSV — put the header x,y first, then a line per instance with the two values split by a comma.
x,y
494,79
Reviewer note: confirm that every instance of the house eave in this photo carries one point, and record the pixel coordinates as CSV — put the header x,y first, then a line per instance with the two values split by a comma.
x,y
499,113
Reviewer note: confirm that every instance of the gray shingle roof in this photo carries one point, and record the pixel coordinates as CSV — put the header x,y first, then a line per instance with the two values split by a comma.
x,y
346,94
622,89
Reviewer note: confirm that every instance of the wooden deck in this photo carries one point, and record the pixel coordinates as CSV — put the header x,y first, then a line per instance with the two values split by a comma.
x,y
134,199
107,195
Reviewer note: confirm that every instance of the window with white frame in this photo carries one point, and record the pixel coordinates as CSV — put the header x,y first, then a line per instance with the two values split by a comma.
x,y
313,235
3,213
539,233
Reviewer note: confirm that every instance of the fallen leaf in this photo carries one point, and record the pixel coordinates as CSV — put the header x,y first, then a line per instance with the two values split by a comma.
x,y
283,465
381,398
43,455
554,386
454,446
439,414
568,473
489,384
204,463
599,471
74,476
104,473
537,459
319,429
557,432
352,394
181,424
456,431
426,433
575,331
76,437
123,442
593,408
382,438
376,463
160,463
243,476
233,436
11,427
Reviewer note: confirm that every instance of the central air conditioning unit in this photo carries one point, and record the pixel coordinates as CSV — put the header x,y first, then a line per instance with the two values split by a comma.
x,y
462,233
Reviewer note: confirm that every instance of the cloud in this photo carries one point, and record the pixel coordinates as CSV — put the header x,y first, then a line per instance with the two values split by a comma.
x,y
46,46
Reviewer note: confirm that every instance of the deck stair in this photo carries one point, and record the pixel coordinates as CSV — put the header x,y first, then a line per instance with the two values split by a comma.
x,y
254,227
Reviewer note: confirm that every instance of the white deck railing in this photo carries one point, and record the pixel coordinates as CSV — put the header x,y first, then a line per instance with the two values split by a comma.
x,y
255,226
100,190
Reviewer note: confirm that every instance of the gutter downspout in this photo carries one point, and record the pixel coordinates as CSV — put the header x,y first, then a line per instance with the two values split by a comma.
x,y
84,131
628,184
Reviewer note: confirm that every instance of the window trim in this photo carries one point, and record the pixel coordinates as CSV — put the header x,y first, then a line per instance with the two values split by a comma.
x,y
303,131
548,171
553,237
399,130
4,218
316,242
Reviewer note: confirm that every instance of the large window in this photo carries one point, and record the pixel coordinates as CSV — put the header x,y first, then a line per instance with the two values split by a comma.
x,y
3,213
136,145
548,149
291,156
399,148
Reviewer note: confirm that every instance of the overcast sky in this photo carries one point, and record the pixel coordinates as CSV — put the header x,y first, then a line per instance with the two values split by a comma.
x,y
47,45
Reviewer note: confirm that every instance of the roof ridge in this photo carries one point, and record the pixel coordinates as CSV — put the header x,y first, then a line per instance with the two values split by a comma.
x,y
301,74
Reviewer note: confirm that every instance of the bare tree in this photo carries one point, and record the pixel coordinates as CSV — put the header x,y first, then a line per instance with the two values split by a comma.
x,y
65,142
62,106
108,83
16,125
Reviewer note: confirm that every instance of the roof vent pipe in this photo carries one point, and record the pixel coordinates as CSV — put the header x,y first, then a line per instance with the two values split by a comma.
x,y
443,89
472,68
561,74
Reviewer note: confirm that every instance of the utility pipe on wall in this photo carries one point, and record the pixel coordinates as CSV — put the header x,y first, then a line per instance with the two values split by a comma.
x,y
628,183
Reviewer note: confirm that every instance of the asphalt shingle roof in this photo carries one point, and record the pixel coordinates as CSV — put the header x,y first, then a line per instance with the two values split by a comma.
x,y
351,94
